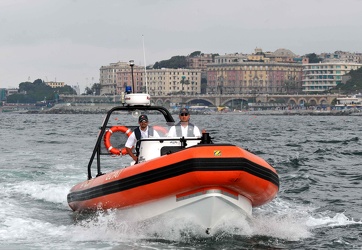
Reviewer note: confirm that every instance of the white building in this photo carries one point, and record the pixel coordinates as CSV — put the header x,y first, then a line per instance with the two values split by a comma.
x,y
12,91
115,77
318,77
167,81
342,56
349,101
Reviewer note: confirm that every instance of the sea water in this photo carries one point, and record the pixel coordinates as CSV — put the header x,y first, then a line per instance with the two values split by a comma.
x,y
318,159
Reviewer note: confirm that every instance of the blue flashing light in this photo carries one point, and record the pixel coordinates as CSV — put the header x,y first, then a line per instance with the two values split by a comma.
x,y
128,89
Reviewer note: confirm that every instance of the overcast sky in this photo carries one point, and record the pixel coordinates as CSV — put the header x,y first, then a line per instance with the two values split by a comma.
x,y
69,40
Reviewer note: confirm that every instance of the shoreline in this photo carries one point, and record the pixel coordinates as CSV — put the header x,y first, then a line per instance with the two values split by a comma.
x,y
304,113
104,108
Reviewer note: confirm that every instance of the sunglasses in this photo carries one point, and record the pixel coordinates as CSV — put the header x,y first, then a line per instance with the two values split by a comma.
x,y
184,114
143,121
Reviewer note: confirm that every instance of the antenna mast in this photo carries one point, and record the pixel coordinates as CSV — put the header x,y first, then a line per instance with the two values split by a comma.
x,y
144,59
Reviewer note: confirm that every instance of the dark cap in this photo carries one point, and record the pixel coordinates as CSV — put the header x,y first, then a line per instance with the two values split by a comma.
x,y
143,118
184,110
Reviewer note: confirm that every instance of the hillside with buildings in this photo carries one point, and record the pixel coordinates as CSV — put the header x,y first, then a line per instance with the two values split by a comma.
x,y
261,72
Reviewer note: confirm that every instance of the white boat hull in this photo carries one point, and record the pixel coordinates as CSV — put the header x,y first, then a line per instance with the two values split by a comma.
x,y
207,208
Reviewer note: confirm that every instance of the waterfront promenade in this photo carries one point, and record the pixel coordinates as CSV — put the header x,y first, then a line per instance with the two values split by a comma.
x,y
103,108
215,99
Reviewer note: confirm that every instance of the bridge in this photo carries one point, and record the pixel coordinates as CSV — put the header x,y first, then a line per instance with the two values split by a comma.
x,y
214,99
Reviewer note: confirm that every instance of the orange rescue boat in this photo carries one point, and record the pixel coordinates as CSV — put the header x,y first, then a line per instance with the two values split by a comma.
x,y
187,176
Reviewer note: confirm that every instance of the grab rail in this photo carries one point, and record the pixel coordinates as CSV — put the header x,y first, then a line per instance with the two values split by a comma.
x,y
97,148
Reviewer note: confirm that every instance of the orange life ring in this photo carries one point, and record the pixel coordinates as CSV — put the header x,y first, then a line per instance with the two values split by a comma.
x,y
107,139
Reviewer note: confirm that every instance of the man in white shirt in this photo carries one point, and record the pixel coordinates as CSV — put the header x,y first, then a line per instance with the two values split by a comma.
x,y
143,131
184,128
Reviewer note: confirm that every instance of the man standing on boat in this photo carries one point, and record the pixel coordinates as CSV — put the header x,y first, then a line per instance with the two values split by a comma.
x,y
143,131
184,128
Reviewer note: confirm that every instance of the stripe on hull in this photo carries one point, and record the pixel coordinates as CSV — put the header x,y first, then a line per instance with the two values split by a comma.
x,y
173,170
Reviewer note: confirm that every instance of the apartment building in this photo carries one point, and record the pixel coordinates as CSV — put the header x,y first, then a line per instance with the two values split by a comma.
x,y
342,56
172,81
231,58
254,77
280,55
280,71
318,77
124,78
108,77
159,81
200,61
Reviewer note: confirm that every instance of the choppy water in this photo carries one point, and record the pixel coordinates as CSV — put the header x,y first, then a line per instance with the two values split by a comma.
x,y
318,206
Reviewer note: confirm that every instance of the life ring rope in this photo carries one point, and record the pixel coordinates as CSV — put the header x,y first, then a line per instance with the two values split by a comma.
x,y
107,139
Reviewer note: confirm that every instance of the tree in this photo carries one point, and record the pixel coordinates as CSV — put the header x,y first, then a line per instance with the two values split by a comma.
x,y
88,91
313,58
352,86
66,90
176,62
334,102
183,81
96,88
32,92
214,55
195,54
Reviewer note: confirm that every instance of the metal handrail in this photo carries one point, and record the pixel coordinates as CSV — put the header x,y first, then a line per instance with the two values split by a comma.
x,y
97,148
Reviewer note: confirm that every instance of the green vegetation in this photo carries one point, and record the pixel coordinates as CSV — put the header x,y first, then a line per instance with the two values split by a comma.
x,y
183,81
38,91
95,89
313,58
176,62
214,55
195,54
334,102
353,85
